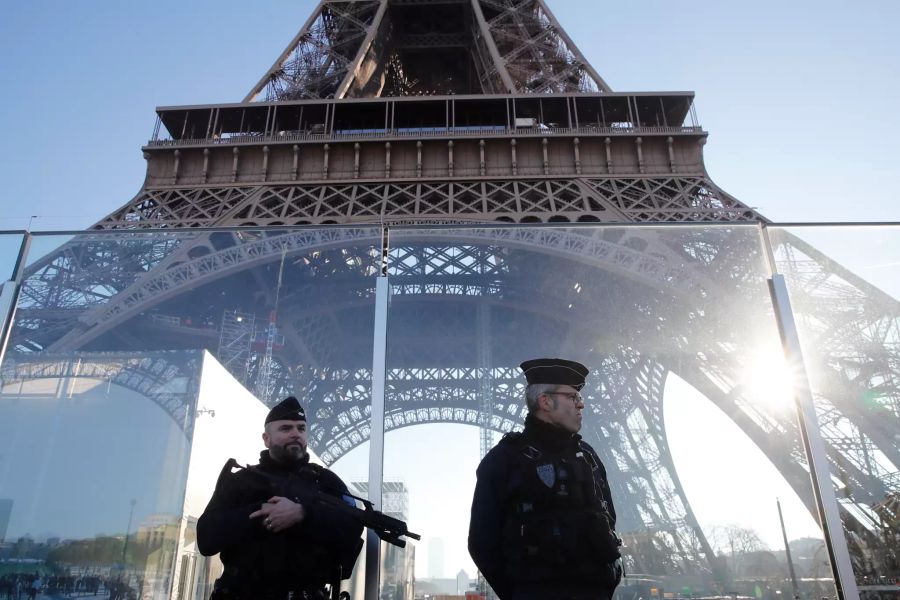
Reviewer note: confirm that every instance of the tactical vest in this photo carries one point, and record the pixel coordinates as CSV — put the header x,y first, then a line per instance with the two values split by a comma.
x,y
275,564
557,524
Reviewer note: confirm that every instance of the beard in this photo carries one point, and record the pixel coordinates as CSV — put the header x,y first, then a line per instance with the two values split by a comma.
x,y
288,454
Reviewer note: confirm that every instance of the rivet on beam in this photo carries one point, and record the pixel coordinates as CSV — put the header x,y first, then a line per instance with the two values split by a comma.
x,y
609,161
575,144
546,158
638,142
670,142
176,166
450,158
482,167
418,159
325,148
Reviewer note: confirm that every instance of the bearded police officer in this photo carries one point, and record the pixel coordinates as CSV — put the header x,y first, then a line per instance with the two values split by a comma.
x,y
275,540
542,525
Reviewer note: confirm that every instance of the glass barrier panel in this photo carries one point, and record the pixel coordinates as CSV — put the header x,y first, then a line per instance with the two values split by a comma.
x,y
844,285
10,245
686,402
152,357
9,252
44,244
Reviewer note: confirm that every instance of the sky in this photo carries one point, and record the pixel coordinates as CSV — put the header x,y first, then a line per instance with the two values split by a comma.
x,y
799,99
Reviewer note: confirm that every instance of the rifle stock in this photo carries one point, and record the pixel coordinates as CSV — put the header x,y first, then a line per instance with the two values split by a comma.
x,y
387,528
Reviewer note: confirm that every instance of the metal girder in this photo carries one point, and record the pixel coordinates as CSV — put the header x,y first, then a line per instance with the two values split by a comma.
x,y
168,379
852,351
532,50
324,52
519,46
676,317
629,433
151,288
614,199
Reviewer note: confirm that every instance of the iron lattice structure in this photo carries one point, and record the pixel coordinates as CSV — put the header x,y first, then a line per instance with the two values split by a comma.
x,y
359,123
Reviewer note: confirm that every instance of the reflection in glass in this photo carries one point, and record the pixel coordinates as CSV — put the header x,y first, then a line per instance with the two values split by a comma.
x,y
95,449
645,308
843,283
229,423
9,252
282,312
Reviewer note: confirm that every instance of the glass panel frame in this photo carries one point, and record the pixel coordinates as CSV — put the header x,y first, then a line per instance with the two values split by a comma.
x,y
310,293
448,268
13,253
456,261
845,303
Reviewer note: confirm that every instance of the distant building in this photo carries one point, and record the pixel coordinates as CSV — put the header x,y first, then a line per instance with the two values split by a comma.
x,y
462,581
394,497
436,558
397,564
5,513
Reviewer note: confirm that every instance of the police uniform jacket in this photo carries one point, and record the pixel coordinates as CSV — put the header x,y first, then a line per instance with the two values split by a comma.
x,y
543,518
305,556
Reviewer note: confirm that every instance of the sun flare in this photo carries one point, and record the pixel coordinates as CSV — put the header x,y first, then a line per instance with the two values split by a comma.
x,y
767,380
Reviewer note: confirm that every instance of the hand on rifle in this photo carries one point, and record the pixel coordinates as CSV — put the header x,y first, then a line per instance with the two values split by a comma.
x,y
279,513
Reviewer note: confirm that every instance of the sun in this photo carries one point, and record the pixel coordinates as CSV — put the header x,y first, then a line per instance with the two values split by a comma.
x,y
767,381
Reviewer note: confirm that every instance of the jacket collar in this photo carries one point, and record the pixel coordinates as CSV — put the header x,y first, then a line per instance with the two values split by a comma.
x,y
270,464
548,435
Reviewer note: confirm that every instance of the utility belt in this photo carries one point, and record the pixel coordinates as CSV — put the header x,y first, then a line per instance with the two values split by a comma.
x,y
235,585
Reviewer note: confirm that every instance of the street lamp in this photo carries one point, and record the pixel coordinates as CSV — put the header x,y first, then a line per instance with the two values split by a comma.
x,y
128,531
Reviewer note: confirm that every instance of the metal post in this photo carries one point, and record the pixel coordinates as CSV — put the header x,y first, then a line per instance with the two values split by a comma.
x,y
826,501
128,532
376,437
787,553
9,294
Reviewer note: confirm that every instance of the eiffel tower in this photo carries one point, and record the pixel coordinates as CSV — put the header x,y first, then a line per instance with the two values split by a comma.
x,y
387,113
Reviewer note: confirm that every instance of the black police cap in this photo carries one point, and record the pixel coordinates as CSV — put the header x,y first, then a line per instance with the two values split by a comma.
x,y
288,409
555,371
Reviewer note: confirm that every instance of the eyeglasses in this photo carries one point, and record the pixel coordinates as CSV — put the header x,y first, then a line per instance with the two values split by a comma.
x,y
575,397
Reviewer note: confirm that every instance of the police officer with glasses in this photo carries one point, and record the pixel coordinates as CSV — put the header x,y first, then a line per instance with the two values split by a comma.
x,y
543,522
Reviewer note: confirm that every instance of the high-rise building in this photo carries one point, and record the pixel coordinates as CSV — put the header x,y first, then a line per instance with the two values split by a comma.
x,y
397,564
6,505
436,558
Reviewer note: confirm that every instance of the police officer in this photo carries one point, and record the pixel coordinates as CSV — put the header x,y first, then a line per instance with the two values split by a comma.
x,y
542,525
275,541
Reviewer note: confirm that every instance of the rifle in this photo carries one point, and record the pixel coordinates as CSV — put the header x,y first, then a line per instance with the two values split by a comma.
x,y
387,528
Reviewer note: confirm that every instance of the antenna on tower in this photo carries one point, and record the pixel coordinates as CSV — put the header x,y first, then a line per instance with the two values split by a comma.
x,y
265,382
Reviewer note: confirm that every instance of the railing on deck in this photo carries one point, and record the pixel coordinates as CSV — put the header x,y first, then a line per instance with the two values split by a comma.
x,y
423,132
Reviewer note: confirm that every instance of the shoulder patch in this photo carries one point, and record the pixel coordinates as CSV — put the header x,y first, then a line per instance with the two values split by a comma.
x,y
511,437
517,440
227,470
